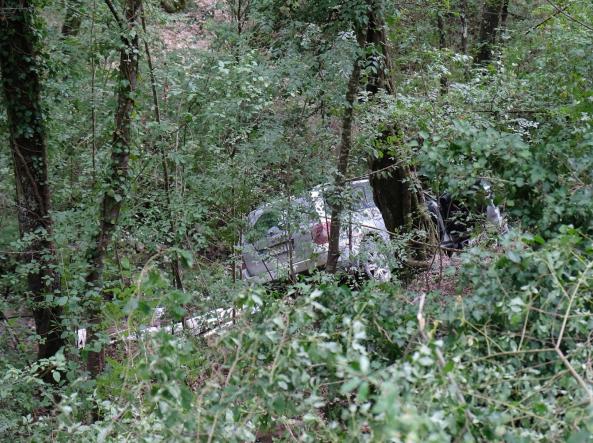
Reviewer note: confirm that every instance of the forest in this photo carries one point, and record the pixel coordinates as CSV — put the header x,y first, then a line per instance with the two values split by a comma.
x,y
296,220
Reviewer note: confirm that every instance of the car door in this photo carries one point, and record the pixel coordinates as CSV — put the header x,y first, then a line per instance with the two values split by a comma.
x,y
278,236
265,246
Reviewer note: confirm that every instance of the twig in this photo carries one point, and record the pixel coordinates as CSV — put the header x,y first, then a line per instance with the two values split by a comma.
x,y
116,15
570,17
226,382
175,265
378,171
561,355
510,353
547,19
524,330
441,360
277,356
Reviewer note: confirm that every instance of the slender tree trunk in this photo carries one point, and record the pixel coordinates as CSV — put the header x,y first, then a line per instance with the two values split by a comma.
x,y
118,181
73,18
504,15
463,23
333,253
444,81
175,264
488,27
22,92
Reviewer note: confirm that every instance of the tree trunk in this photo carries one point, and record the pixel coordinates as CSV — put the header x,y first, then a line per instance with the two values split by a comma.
x,y
118,181
377,39
172,6
22,92
396,190
504,15
444,81
397,194
73,18
333,253
488,27
175,263
464,28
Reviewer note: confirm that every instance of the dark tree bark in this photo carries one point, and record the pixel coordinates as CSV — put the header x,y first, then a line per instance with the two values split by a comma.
x,y
73,18
398,195
504,15
240,12
117,183
22,92
377,39
488,27
333,253
396,190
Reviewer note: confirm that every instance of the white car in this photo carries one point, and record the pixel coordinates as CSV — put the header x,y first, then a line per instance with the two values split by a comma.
x,y
290,237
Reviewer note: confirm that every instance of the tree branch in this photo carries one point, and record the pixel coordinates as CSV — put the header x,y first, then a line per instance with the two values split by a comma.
x,y
116,15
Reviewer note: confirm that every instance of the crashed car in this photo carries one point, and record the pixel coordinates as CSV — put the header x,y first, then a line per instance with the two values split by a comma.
x,y
292,238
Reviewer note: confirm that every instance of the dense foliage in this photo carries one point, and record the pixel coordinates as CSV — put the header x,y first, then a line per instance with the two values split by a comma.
x,y
241,104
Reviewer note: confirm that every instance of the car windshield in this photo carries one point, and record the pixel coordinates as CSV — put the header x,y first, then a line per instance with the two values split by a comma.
x,y
280,218
268,224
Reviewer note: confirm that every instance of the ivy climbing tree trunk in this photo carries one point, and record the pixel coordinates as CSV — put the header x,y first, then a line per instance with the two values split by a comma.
x,y
377,41
488,27
396,189
20,78
333,253
118,180
398,195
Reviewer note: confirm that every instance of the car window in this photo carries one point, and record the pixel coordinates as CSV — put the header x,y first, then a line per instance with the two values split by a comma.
x,y
269,224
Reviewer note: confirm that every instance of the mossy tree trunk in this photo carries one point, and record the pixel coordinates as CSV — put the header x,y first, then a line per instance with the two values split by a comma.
x,y
20,77
118,180
488,27
396,189
464,27
333,253
398,195
377,41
